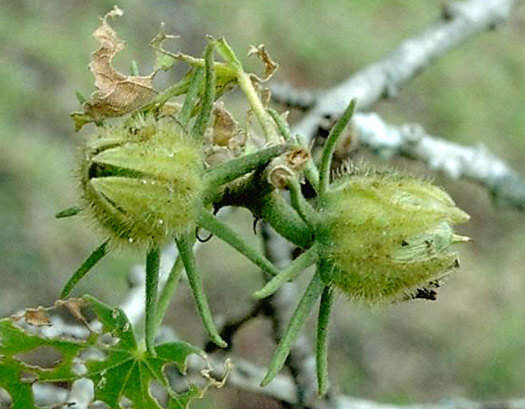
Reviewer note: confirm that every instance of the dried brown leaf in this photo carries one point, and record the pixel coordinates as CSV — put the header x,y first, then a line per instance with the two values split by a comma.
x,y
116,93
270,66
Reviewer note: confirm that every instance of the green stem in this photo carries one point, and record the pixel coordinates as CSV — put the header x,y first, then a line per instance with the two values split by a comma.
x,y
296,267
232,169
222,231
330,144
283,127
185,246
284,219
246,85
222,69
300,204
174,90
321,350
258,109
167,291
87,265
191,96
299,316
152,284
199,128
257,195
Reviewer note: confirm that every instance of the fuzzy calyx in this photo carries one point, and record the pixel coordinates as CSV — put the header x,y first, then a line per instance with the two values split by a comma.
x,y
141,180
384,235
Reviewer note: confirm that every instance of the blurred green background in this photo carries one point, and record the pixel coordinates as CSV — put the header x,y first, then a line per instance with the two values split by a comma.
x,y
470,343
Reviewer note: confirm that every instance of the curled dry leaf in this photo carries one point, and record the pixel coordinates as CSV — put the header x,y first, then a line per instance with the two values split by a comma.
x,y
270,66
116,93
218,383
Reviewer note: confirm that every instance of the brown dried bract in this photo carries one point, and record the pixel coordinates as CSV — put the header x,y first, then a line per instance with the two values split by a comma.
x,y
116,93
297,158
224,126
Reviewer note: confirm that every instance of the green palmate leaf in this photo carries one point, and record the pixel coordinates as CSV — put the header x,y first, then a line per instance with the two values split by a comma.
x,y
119,367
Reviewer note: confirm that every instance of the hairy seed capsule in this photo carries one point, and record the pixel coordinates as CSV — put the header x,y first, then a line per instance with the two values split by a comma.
x,y
141,180
385,236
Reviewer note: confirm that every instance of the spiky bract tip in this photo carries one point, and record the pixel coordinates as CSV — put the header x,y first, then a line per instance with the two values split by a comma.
x,y
141,180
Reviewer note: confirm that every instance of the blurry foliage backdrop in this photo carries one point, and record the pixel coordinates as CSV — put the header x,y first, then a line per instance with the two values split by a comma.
x,y
469,343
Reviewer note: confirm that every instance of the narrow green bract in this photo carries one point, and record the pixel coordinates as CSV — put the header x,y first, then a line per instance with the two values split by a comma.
x,y
141,180
386,235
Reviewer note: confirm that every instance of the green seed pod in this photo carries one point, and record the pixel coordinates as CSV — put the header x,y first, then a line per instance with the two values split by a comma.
x,y
141,180
384,236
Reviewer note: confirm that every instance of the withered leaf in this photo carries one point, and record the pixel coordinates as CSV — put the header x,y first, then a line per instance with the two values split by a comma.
x,y
270,66
116,93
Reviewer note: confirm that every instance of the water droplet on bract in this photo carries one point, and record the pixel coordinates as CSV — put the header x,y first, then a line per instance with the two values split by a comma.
x,y
144,181
171,155
161,221
125,327
130,239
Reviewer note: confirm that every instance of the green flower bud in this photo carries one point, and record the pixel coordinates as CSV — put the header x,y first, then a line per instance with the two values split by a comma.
x,y
141,180
385,236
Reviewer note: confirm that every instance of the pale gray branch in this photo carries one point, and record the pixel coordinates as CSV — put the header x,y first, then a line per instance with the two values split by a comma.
x,y
453,160
461,21
246,376
290,96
